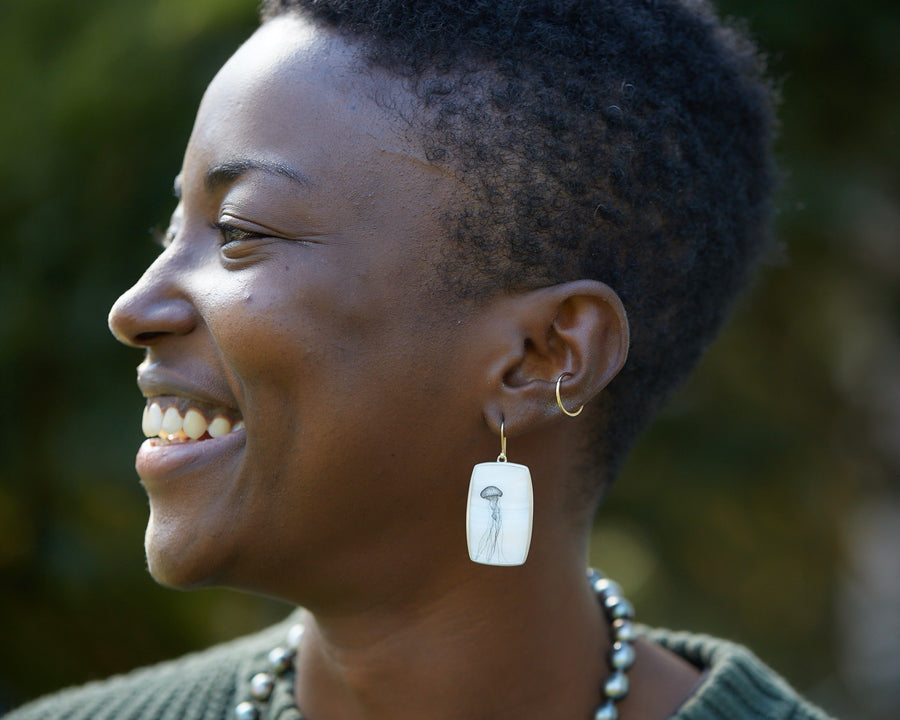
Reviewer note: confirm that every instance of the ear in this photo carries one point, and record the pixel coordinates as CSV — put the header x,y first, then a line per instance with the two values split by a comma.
x,y
579,328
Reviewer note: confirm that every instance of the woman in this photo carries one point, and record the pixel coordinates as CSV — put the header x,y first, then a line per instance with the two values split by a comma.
x,y
411,239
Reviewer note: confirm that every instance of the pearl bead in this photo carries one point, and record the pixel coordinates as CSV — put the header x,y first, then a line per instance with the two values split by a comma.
x,y
624,631
608,588
607,711
295,635
261,686
246,711
618,608
281,659
616,686
621,657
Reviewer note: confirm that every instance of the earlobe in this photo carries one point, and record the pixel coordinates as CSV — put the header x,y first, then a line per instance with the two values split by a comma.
x,y
576,330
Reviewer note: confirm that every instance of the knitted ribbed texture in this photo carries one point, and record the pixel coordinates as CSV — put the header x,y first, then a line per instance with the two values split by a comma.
x,y
737,687
201,686
208,685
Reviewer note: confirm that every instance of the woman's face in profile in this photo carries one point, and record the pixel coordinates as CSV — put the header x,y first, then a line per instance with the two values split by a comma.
x,y
297,295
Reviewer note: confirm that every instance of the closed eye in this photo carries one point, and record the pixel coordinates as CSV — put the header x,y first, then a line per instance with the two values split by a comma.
x,y
232,234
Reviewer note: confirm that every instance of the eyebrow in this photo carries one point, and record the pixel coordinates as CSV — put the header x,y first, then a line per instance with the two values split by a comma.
x,y
231,170
227,172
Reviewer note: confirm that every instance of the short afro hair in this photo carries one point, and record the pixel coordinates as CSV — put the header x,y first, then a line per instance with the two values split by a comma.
x,y
627,141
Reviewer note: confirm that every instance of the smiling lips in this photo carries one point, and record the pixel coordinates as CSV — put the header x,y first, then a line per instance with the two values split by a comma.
x,y
177,419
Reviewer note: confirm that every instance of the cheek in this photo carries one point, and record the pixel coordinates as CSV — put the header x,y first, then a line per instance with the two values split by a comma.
x,y
267,338
323,327
280,327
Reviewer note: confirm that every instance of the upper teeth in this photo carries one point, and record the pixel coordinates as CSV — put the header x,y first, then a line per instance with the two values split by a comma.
x,y
171,425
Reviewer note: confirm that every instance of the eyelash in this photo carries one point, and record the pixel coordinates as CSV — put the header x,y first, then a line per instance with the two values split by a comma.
x,y
163,238
227,231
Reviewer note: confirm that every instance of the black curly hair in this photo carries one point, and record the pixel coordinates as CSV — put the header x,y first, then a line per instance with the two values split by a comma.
x,y
629,141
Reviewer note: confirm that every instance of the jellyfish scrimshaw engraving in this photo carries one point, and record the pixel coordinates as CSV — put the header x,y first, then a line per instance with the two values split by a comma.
x,y
499,513
490,548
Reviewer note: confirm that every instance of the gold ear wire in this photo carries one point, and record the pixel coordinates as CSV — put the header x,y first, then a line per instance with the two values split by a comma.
x,y
502,456
559,400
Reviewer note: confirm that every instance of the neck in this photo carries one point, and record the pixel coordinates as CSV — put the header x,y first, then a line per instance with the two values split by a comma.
x,y
495,643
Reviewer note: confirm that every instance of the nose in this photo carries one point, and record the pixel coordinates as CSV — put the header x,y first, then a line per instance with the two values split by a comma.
x,y
153,308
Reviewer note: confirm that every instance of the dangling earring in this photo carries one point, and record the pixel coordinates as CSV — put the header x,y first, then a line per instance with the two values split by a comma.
x,y
500,511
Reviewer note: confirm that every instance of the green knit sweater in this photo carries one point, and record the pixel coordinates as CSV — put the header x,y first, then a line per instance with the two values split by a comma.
x,y
208,685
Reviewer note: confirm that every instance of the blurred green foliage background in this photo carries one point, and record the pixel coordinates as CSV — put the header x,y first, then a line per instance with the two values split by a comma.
x,y
764,505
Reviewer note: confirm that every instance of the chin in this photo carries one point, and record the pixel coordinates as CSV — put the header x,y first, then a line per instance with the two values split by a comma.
x,y
182,560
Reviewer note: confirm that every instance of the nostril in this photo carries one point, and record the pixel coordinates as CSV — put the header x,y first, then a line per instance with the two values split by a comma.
x,y
146,338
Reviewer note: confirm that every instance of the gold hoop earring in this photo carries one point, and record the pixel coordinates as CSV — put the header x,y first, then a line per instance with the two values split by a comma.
x,y
559,399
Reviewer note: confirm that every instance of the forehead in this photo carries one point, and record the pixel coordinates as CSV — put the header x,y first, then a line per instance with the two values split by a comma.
x,y
299,96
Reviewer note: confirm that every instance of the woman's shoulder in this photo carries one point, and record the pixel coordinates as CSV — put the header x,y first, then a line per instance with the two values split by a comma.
x,y
736,683
199,686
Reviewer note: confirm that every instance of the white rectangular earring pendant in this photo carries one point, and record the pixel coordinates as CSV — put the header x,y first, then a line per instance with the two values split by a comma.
x,y
500,513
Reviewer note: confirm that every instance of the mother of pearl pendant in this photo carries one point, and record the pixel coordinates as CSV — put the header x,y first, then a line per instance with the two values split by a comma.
x,y
499,513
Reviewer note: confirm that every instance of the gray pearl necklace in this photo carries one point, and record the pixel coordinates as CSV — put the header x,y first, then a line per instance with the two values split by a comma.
x,y
618,611
620,616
